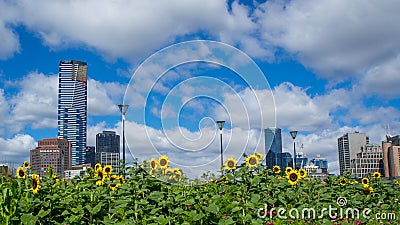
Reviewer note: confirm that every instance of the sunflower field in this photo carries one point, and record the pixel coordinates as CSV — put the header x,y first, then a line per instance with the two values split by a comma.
x,y
154,193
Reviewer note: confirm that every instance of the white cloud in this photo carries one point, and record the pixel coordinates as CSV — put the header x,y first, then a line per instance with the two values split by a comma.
x,y
383,79
9,42
35,104
129,29
102,98
295,109
16,149
336,38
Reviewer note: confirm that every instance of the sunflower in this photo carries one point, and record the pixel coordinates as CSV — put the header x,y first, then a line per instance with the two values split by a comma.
x,y
377,175
259,155
121,179
396,182
163,161
288,170
169,173
107,170
302,172
26,164
343,181
35,184
100,174
276,169
21,173
252,161
97,167
293,177
367,190
54,176
230,164
365,181
177,172
153,163
114,182
65,180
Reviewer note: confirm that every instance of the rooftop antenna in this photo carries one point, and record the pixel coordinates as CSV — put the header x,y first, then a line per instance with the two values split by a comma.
x,y
388,135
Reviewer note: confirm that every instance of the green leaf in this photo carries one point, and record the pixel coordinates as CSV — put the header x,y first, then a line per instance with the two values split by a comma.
x,y
28,219
212,208
156,196
42,213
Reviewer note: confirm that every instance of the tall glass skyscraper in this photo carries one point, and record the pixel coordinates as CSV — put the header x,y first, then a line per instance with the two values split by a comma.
x,y
72,107
273,147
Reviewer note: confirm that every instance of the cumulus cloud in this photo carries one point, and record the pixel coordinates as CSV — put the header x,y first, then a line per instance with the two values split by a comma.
x,y
35,104
383,79
295,109
336,38
16,149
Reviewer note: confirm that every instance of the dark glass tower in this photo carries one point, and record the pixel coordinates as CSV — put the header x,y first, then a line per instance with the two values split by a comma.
x,y
72,107
107,149
273,147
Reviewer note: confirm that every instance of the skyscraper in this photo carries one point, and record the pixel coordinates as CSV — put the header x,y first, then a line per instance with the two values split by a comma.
x,y
348,147
273,147
107,149
72,107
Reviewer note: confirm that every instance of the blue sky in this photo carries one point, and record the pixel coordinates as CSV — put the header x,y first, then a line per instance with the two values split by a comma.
x,y
331,67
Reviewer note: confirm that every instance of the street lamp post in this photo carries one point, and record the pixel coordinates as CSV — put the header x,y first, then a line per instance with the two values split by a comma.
x,y
293,134
221,125
123,108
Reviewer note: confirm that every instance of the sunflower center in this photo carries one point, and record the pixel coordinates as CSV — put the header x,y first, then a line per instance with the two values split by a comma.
x,y
153,164
21,173
34,184
163,162
107,170
231,164
253,161
293,177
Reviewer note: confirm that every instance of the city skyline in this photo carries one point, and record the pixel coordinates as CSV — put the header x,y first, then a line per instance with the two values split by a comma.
x,y
335,75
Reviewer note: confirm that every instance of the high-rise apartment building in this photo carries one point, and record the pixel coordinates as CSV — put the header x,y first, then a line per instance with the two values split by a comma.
x,y
368,160
273,147
72,107
348,147
107,149
53,152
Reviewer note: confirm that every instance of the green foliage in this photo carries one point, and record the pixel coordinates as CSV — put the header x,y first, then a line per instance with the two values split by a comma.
x,y
244,195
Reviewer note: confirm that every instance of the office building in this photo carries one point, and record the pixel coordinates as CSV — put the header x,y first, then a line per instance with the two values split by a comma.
x,y
301,160
90,156
320,163
53,152
391,156
72,107
107,149
367,161
273,147
348,147
285,160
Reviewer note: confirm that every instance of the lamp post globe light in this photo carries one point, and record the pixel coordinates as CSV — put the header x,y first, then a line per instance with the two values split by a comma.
x,y
293,134
123,108
220,126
